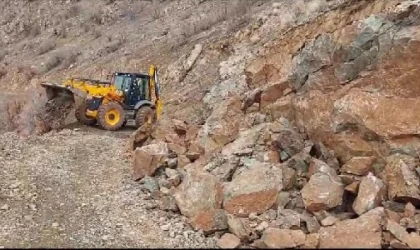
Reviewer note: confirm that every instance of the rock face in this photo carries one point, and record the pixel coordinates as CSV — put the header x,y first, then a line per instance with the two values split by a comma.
x,y
148,159
324,189
370,195
254,190
198,192
363,232
402,181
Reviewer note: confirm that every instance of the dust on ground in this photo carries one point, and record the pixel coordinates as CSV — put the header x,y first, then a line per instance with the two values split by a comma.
x,y
74,189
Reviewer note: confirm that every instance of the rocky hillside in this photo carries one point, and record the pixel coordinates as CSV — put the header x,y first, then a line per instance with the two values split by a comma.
x,y
311,138
295,121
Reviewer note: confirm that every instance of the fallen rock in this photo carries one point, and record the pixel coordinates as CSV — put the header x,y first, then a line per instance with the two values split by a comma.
x,y
226,170
199,191
195,151
168,203
371,194
254,190
398,244
180,127
283,238
411,239
363,232
210,221
329,221
150,184
177,149
285,138
311,242
148,159
324,189
312,224
358,166
240,228
289,177
222,127
410,210
402,181
228,241
394,216
140,136
183,161
288,219
353,188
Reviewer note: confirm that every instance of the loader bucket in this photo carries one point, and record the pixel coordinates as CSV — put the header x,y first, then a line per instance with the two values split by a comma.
x,y
54,91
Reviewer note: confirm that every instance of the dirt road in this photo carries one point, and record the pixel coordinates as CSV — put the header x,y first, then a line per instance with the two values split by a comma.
x,y
74,189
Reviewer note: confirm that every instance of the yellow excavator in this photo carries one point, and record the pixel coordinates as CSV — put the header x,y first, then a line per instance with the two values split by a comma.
x,y
129,96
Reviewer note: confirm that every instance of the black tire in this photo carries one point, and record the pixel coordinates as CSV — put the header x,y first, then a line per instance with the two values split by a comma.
x,y
80,114
111,116
143,115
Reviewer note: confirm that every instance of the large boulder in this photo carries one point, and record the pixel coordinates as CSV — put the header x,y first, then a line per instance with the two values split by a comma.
x,y
324,189
363,232
199,192
254,190
148,159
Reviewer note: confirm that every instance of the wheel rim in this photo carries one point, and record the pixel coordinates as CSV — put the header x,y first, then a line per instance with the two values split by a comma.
x,y
112,117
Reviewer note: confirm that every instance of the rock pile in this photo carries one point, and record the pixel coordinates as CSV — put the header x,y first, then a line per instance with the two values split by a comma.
x,y
272,187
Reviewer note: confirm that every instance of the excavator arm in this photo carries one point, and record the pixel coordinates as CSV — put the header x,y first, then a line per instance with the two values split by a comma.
x,y
155,89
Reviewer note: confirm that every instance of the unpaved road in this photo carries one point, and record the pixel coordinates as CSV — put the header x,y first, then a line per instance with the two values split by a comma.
x,y
74,189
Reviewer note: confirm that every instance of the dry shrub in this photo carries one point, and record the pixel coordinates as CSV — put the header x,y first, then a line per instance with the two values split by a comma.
x,y
95,16
63,58
13,109
3,72
45,47
3,54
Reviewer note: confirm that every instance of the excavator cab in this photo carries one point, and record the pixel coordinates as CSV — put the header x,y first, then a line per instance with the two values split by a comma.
x,y
135,88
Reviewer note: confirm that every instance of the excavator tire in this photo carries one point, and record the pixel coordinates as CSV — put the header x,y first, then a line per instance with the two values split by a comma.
x,y
111,116
144,114
81,117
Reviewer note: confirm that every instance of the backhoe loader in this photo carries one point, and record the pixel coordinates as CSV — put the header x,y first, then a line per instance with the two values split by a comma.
x,y
129,96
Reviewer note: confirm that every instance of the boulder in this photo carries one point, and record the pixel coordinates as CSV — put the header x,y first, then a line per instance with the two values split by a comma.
x,y
199,191
177,149
289,177
353,187
246,140
283,238
228,241
411,239
148,159
312,241
183,161
240,228
254,190
358,166
370,195
329,221
402,181
195,151
363,232
222,127
324,189
210,221
140,136
288,219
226,170
180,127
285,138
272,93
